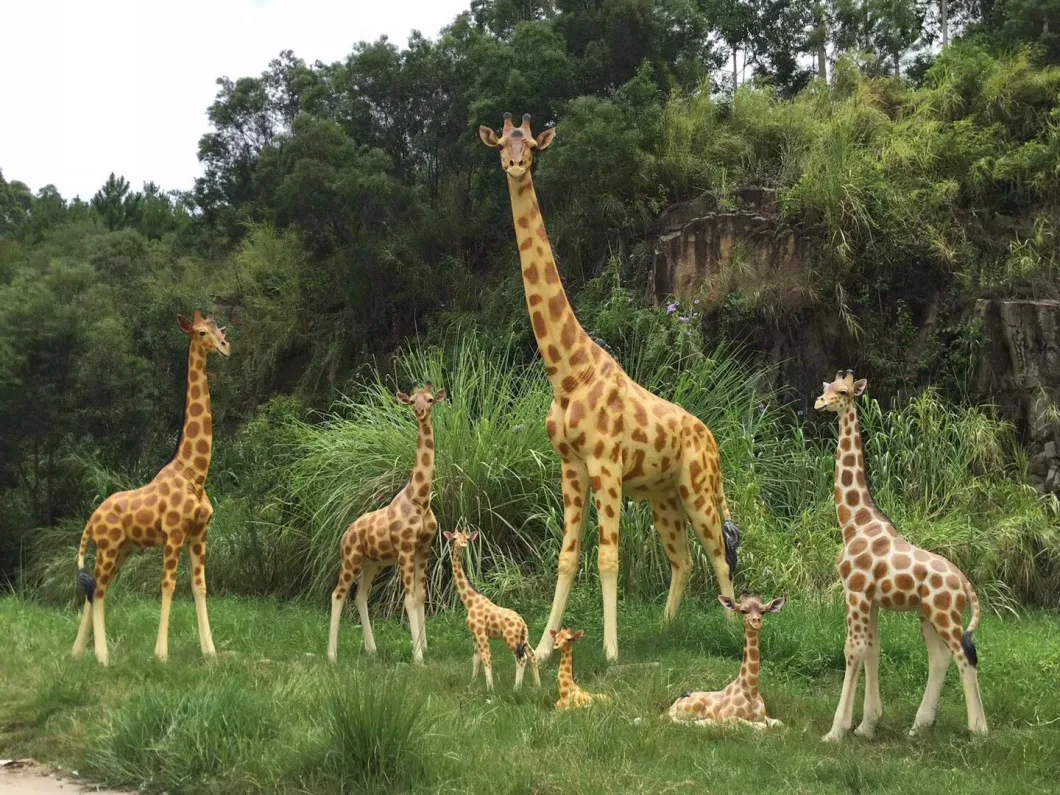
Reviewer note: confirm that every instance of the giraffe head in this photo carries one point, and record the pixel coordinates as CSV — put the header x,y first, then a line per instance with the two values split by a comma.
x,y
517,146
839,395
205,333
565,637
461,538
752,608
422,400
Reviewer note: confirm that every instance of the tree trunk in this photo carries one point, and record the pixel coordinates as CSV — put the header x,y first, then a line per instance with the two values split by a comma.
x,y
945,23
822,63
734,70
897,64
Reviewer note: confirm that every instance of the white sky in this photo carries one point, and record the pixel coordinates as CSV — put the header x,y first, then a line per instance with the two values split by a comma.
x,y
93,86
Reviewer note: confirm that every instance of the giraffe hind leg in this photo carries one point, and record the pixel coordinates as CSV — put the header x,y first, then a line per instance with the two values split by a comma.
x,y
81,643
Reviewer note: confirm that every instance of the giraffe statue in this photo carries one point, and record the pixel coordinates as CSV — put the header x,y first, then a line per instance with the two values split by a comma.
x,y
610,433
400,534
740,701
570,695
487,620
879,568
170,511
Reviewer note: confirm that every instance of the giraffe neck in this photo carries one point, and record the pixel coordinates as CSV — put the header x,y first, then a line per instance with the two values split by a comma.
x,y
850,476
196,439
569,354
463,585
566,669
749,669
423,469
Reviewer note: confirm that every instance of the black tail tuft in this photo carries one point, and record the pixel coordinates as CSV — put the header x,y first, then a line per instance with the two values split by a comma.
x,y
686,694
520,650
969,648
88,584
731,533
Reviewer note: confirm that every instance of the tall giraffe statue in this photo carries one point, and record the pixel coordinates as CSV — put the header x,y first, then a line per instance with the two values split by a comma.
x,y
611,434
170,511
879,568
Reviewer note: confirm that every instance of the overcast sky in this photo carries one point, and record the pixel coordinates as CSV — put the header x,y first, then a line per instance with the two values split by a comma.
x,y
93,86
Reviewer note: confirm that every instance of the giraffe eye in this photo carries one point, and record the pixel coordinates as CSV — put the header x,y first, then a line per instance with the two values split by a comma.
x,y
202,333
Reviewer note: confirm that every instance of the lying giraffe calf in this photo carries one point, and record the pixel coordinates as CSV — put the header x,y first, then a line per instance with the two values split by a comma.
x,y
570,695
740,701
487,620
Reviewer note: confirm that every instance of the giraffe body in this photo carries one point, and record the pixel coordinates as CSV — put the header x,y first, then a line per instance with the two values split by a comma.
x,y
571,696
401,534
879,568
740,701
486,620
171,511
612,435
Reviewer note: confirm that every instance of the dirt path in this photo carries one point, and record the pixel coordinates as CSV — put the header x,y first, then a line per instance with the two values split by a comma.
x,y
26,777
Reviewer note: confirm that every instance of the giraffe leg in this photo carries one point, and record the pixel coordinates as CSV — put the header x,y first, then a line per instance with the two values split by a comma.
x,y
701,506
608,510
421,596
476,662
197,553
575,483
107,563
671,524
856,647
520,669
948,626
171,557
487,660
81,643
873,706
528,652
408,578
351,565
938,664
364,588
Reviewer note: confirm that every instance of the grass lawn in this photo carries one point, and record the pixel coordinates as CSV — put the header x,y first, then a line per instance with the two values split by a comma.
x,y
270,715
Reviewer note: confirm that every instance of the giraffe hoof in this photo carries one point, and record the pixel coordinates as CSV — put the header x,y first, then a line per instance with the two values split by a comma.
x,y
865,731
833,736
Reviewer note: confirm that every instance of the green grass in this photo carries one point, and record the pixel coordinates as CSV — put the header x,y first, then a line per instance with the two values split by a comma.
x,y
270,715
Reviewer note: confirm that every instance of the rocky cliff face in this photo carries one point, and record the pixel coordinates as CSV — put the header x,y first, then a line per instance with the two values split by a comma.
x,y
706,251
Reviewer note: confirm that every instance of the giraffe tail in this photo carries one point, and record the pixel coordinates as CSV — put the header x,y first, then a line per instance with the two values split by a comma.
x,y
86,580
730,531
966,639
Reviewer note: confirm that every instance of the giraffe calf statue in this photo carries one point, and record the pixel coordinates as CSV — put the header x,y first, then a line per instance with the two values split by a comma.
x,y
487,620
879,568
400,534
740,701
570,695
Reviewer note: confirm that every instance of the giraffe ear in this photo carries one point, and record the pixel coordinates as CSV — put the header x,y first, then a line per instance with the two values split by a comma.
x,y
776,605
727,602
824,385
859,386
577,635
544,139
447,536
403,399
473,536
185,324
488,137
439,396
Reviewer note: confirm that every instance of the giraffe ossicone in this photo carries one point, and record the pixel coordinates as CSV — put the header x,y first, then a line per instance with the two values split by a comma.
x,y
401,534
486,620
880,569
740,701
170,512
611,434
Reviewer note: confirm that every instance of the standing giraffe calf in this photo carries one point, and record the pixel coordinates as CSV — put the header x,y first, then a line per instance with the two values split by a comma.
x,y
170,511
740,701
879,568
487,620
401,533
570,695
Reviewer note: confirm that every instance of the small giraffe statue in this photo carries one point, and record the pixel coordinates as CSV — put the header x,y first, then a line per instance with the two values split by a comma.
x,y
879,568
402,533
740,701
610,433
570,695
170,511
486,620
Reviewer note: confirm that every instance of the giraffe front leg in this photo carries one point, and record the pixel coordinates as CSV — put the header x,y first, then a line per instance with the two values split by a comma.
x,y
171,557
671,524
421,596
855,652
197,553
487,660
407,567
575,483
607,489
873,706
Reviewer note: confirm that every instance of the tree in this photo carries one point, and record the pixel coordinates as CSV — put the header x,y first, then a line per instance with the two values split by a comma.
x,y
113,203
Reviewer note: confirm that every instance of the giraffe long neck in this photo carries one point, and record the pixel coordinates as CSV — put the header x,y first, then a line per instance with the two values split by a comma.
x,y
851,483
196,439
566,670
463,585
750,669
569,353
423,469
